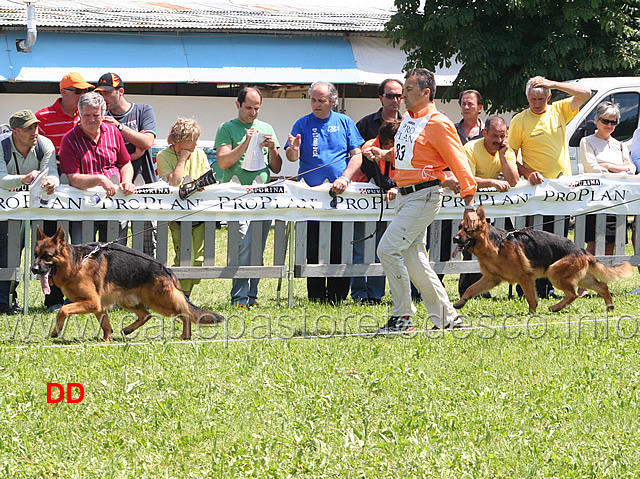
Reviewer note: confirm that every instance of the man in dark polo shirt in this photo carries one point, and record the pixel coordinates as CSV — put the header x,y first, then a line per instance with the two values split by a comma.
x,y
137,124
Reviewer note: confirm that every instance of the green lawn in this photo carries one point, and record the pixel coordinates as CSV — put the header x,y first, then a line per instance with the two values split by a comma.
x,y
536,397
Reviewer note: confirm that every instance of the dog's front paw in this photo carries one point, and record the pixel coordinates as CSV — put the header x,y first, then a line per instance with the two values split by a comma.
x,y
461,302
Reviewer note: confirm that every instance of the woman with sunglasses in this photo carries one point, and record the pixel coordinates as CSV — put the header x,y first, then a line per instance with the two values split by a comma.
x,y
602,153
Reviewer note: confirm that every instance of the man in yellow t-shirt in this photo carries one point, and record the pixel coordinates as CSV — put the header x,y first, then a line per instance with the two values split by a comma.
x,y
540,131
491,156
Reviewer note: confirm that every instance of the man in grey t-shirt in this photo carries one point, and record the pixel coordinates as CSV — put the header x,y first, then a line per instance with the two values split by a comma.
x,y
137,123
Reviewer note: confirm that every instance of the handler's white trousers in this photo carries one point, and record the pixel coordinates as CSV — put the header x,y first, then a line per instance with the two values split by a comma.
x,y
404,258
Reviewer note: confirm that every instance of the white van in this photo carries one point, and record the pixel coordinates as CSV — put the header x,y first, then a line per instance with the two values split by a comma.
x,y
625,91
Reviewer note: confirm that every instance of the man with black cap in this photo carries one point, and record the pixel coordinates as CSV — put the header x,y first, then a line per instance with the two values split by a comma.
x,y
137,123
22,155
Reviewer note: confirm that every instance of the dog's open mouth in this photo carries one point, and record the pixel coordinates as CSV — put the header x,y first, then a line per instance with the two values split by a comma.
x,y
462,245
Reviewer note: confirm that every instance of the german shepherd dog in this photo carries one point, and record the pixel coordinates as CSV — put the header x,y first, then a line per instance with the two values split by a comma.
x,y
521,256
95,277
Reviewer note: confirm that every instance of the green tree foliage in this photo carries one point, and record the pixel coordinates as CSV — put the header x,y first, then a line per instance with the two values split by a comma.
x,y
502,43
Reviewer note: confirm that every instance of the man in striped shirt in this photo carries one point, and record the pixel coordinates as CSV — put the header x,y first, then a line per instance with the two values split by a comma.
x,y
56,120
92,153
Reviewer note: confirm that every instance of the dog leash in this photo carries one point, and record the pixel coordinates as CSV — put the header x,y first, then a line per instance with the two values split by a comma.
x,y
221,202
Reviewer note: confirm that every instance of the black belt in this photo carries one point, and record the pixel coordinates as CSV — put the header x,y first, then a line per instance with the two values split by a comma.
x,y
405,190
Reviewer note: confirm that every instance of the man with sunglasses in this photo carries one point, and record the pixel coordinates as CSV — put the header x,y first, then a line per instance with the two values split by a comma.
x,y
54,122
371,289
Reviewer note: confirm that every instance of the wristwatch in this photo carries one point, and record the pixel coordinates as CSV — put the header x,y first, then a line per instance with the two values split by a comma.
x,y
473,207
120,126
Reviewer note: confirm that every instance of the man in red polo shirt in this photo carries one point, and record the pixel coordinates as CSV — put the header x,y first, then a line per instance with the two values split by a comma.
x,y
426,144
92,153
56,120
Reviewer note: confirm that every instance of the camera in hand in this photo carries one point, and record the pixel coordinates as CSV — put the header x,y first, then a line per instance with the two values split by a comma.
x,y
187,189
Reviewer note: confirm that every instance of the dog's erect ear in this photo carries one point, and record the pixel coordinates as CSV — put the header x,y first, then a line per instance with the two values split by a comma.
x,y
481,215
59,237
40,234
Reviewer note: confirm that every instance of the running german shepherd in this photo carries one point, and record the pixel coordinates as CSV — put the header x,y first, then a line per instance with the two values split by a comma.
x,y
96,277
521,256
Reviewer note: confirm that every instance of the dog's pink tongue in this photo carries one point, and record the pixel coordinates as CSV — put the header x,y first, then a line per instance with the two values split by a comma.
x,y
44,282
455,252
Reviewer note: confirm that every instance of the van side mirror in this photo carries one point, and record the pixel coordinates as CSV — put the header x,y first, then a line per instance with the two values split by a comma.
x,y
586,128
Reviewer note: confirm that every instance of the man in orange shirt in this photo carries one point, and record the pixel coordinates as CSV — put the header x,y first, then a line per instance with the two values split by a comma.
x,y
426,144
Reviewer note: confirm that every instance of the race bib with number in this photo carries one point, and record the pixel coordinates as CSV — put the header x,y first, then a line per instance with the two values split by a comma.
x,y
405,140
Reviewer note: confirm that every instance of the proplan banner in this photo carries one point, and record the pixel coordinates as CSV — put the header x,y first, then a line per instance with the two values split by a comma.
x,y
295,201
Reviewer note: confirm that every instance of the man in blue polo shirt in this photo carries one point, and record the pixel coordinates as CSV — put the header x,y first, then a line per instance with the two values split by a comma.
x,y
331,141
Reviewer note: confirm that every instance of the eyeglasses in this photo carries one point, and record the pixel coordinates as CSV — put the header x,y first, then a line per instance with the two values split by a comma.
x,y
77,91
608,122
391,96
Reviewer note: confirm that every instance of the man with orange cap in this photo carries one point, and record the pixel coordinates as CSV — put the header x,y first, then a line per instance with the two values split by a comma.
x,y
54,122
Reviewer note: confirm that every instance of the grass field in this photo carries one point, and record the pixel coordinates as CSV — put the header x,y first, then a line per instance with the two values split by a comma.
x,y
541,396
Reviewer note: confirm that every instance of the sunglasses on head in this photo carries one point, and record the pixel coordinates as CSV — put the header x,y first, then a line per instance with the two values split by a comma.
x,y
609,122
391,96
77,91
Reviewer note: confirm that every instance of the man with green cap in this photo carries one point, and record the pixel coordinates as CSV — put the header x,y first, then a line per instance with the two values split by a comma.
x,y
22,155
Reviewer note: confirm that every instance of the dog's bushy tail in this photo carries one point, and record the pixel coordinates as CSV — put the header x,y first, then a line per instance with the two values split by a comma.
x,y
203,316
607,274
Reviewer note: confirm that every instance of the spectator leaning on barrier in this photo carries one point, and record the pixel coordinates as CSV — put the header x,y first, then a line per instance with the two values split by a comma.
x,y
91,154
539,134
239,157
602,153
469,128
370,289
328,147
426,143
179,159
490,158
390,95
55,121
137,124
28,153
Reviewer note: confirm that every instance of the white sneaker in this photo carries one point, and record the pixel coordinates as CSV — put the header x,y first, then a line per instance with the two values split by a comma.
x,y
635,292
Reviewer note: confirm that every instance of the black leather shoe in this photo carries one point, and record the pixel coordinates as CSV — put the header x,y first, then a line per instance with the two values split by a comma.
x,y
6,309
